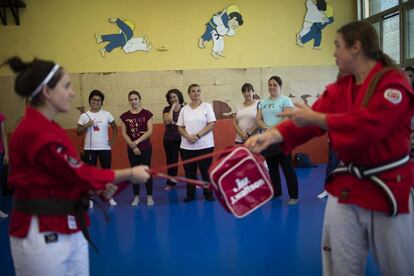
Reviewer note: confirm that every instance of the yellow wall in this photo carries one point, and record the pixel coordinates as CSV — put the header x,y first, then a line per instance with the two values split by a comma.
x,y
63,31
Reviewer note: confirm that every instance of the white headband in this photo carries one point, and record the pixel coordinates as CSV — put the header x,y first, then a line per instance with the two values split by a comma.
x,y
45,81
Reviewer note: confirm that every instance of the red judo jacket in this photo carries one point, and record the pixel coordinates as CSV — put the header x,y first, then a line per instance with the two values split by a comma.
x,y
44,165
365,136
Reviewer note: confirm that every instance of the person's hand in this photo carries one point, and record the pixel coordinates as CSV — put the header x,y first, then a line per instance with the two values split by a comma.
x,y
90,123
6,159
109,191
191,139
131,145
412,137
174,105
112,20
301,115
136,142
136,151
257,143
244,136
140,174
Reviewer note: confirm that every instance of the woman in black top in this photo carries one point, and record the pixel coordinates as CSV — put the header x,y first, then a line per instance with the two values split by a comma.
x,y
172,138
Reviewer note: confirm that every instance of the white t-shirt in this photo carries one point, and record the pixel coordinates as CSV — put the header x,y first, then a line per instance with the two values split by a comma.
x,y
96,137
246,118
195,120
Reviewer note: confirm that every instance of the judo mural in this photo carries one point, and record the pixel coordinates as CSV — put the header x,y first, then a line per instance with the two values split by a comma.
x,y
319,14
221,24
123,39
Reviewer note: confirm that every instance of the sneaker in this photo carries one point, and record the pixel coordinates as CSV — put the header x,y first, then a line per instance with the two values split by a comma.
x,y
293,201
215,55
150,201
3,214
316,47
90,204
112,202
189,198
323,194
135,202
265,165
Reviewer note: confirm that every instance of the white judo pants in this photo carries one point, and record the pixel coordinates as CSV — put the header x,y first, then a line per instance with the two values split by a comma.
x,y
33,256
349,232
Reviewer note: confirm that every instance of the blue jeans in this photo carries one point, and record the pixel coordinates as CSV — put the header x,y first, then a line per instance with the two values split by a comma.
x,y
118,40
316,33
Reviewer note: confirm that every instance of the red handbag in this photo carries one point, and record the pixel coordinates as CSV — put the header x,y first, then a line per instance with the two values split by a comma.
x,y
240,182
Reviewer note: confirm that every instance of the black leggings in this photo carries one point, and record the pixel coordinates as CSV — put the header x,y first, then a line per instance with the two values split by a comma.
x,y
172,149
143,159
285,161
191,168
90,157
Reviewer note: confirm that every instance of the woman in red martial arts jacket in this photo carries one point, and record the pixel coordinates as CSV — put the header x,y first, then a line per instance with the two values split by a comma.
x,y
367,116
51,185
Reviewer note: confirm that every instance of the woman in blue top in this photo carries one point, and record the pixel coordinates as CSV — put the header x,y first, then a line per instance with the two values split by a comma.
x,y
266,117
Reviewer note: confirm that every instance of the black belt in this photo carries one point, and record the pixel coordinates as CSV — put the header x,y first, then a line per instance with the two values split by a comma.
x,y
51,206
370,173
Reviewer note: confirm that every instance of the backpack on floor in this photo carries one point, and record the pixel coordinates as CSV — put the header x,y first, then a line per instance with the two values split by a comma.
x,y
240,182
302,160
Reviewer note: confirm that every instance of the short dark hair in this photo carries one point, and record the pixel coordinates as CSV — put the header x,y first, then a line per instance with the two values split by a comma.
x,y
277,79
321,5
192,86
247,87
409,69
98,93
133,92
238,17
176,92
30,75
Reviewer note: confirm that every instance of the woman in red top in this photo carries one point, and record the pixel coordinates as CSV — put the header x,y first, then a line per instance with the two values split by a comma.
x,y
51,185
136,125
371,200
4,152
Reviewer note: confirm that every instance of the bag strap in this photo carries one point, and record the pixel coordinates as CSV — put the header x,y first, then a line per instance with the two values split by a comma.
x,y
204,184
84,136
373,85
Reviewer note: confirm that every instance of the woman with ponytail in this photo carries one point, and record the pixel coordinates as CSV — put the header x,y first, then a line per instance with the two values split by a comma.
x,y
51,185
367,115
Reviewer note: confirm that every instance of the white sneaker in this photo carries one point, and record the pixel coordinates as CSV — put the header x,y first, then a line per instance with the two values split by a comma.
x,y
265,165
323,194
135,202
3,214
90,204
150,201
293,201
112,202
